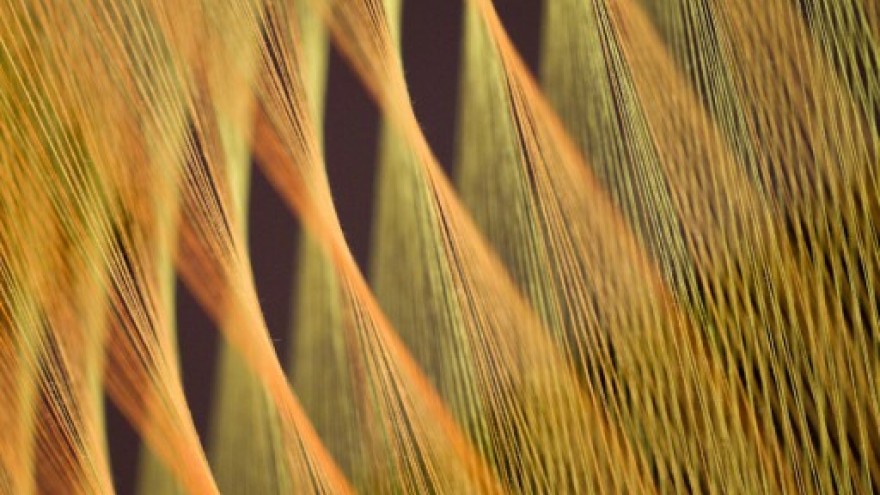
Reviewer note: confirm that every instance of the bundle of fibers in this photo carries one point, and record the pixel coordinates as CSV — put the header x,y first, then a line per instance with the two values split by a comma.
x,y
654,267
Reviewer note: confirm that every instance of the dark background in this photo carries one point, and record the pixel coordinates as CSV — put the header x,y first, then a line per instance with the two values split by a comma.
x,y
431,52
